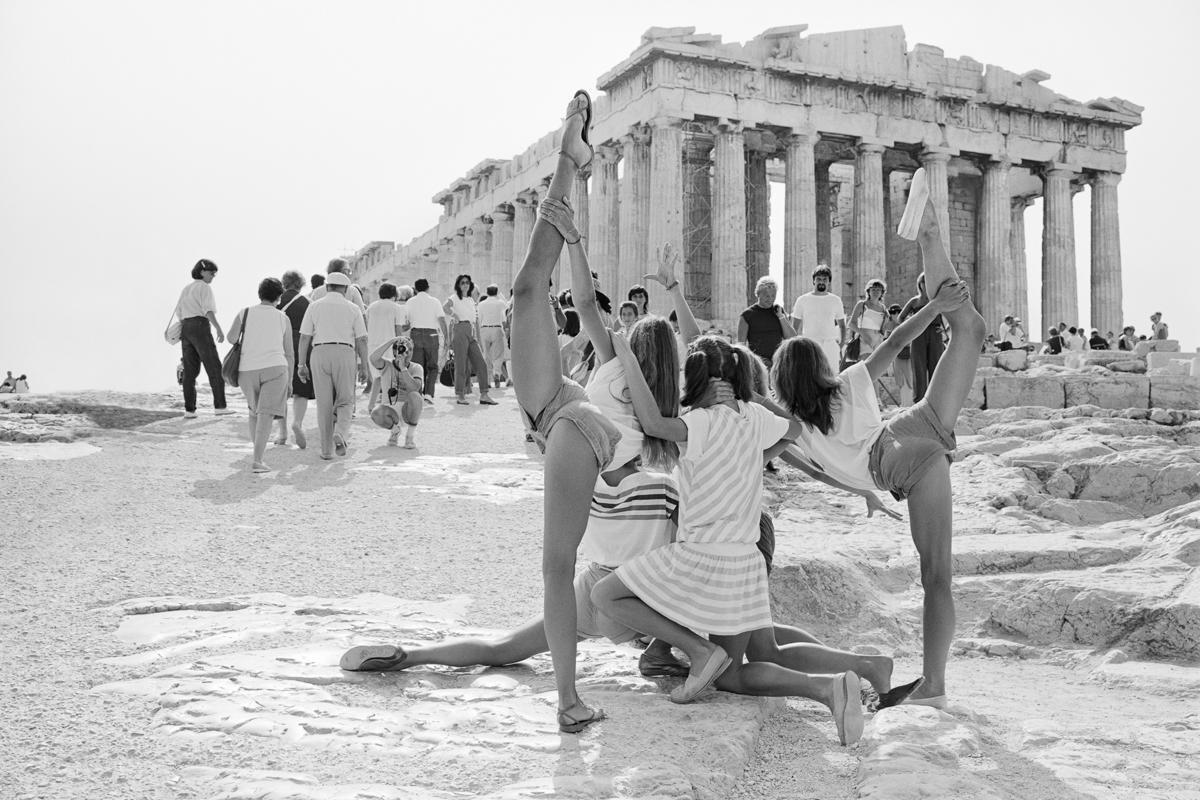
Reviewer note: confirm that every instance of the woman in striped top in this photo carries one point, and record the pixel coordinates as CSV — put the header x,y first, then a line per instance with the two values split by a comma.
x,y
713,580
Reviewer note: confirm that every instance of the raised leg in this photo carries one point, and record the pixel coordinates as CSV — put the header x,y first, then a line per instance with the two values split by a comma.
x,y
931,521
816,658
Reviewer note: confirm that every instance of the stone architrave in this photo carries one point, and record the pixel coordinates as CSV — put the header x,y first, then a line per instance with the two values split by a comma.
x,y
604,218
1016,250
666,203
1060,293
729,232
869,244
934,160
633,261
502,249
799,213
1106,254
524,215
994,279
478,236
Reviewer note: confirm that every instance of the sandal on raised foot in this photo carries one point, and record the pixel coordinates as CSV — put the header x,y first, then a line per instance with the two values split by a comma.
x,y
585,108
569,724
898,694
914,209
373,658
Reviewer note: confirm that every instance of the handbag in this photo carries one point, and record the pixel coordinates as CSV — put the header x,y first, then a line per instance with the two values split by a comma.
x,y
446,376
853,350
174,332
232,363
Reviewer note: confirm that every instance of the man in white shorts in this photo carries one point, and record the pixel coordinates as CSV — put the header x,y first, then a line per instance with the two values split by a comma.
x,y
820,316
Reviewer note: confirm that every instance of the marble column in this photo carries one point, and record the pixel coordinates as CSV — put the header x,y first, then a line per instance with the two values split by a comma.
x,y
524,214
758,220
696,259
1060,292
501,265
427,268
996,291
666,204
799,214
447,266
1107,314
729,232
826,207
869,243
462,252
633,259
604,217
579,202
1020,267
478,235
934,161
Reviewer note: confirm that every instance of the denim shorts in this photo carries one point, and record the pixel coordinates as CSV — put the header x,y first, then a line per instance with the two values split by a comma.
x,y
571,403
590,623
911,442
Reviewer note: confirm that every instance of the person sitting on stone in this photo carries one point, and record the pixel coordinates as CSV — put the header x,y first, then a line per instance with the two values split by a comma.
x,y
1128,340
21,385
1158,327
9,384
400,383
1054,343
1097,342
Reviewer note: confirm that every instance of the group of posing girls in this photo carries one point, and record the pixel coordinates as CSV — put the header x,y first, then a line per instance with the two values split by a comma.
x,y
692,575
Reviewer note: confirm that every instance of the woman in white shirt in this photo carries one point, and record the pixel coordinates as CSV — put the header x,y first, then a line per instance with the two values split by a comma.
x,y
866,320
267,363
465,342
197,311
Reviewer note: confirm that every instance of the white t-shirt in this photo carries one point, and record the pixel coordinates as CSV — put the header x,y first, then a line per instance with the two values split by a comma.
x,y
844,453
491,311
608,390
196,300
352,294
463,308
262,339
333,318
720,472
819,315
382,318
1014,336
424,311
631,518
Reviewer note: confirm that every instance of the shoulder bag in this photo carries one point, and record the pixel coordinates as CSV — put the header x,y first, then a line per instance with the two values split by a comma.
x,y
174,332
233,359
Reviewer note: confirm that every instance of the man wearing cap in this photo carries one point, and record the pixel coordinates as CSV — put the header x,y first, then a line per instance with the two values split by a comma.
x,y
334,328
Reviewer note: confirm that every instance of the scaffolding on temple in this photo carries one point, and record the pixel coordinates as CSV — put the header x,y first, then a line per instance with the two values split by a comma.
x,y
697,217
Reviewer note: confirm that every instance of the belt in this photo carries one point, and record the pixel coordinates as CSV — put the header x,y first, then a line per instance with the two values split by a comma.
x,y
322,344
491,326
425,330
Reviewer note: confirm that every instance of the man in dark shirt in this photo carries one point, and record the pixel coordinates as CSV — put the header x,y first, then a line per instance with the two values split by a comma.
x,y
763,325
1054,344
1097,342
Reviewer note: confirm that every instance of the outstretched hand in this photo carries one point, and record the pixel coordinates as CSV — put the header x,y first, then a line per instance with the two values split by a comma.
x,y
875,504
950,296
667,257
559,214
620,345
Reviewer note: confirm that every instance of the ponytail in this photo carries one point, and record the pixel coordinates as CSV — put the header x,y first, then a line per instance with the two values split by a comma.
x,y
695,375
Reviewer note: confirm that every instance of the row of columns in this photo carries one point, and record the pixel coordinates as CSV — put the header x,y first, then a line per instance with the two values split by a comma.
x,y
628,214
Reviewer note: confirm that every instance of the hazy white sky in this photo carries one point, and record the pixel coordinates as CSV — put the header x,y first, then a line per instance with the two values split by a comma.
x,y
137,137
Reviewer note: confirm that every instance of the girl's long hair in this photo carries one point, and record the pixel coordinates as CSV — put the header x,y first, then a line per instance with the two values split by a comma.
x,y
713,357
652,340
760,376
805,383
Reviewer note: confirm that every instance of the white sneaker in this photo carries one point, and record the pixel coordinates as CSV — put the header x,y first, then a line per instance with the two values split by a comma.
x,y
223,412
914,209
189,415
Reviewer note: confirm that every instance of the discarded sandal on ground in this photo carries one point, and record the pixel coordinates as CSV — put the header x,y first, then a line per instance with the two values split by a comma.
x,y
373,658
652,666
898,694
569,724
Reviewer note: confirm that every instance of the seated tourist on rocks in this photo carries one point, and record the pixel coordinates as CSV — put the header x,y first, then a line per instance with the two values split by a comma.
x,y
1128,340
9,383
400,380
21,385
1097,342
267,363
1158,328
1054,343
910,454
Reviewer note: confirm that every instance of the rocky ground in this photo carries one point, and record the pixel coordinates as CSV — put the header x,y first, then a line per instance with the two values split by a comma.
x,y
172,622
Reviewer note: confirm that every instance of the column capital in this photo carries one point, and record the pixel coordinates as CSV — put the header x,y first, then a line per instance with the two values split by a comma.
x,y
1104,178
1022,201
802,136
872,145
724,125
667,121
608,153
525,197
501,215
637,134
930,155
1058,169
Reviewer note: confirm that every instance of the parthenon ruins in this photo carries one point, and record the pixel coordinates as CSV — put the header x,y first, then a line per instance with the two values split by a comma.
x,y
690,132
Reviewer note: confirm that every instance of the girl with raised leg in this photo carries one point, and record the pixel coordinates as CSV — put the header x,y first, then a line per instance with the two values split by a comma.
x,y
910,454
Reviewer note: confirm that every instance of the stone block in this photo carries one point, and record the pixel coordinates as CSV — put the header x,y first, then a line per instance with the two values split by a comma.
x,y
1057,360
1008,391
977,396
1175,391
1158,360
1113,390
1131,365
1012,360
1156,346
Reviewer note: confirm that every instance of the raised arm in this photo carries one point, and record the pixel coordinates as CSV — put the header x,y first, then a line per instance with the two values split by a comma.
x,y
951,296
668,258
644,406
792,455
583,291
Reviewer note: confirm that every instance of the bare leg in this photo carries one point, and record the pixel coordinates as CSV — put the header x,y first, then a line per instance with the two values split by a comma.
x,y
281,438
516,645
299,409
789,634
262,432
817,658
931,521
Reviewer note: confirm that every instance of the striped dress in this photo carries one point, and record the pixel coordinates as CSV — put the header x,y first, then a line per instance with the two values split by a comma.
x,y
713,579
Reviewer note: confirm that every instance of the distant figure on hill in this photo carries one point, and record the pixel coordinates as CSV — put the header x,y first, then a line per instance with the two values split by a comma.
x,y
1054,343
197,312
1098,342
21,386
1158,327
9,384
1127,340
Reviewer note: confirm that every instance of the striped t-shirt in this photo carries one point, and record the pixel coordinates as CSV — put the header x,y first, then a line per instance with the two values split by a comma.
x,y
631,518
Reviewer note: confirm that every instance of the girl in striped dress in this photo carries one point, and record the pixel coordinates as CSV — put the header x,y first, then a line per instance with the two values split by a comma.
x,y
713,580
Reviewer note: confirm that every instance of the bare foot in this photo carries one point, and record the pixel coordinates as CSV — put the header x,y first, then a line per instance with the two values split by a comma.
x,y
574,131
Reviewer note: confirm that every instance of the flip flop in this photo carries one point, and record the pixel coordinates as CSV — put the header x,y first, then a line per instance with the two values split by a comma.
x,y
914,209
654,667
700,679
373,658
847,710
573,108
569,724
898,694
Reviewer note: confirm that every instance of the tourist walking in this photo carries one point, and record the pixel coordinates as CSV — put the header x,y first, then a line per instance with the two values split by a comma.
x,y
867,318
429,334
266,365
468,357
294,304
820,315
334,328
764,324
386,319
492,336
197,313
928,346
910,454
